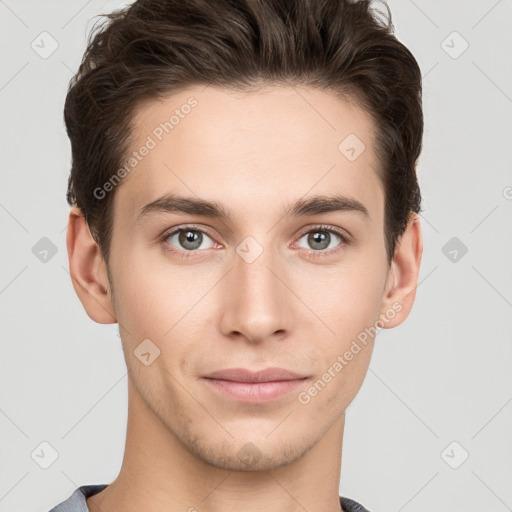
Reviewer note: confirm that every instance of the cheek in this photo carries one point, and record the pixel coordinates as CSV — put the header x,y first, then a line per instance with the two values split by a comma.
x,y
343,363
139,297
346,300
161,302
349,304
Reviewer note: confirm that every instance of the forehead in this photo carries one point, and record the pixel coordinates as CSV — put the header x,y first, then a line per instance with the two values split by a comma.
x,y
251,150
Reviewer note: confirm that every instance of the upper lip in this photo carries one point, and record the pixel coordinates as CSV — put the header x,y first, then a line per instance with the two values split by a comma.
x,y
244,375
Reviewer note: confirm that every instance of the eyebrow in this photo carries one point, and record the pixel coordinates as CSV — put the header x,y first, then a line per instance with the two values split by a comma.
x,y
173,203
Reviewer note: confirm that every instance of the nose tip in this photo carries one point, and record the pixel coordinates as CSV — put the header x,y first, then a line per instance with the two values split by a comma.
x,y
256,304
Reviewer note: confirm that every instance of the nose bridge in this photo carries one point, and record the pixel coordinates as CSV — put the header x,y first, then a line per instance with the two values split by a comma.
x,y
252,267
258,302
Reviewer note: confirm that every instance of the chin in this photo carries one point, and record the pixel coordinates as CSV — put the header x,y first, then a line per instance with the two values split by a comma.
x,y
246,455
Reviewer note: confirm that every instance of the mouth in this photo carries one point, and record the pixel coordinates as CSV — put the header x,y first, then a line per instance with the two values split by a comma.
x,y
248,386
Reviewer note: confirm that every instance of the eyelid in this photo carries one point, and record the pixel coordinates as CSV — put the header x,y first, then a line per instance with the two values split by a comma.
x,y
183,227
327,227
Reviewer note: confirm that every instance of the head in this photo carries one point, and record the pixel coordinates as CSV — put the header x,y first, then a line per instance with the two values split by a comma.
x,y
252,109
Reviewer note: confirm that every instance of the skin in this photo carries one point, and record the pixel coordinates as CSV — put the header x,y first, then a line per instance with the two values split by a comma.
x,y
255,153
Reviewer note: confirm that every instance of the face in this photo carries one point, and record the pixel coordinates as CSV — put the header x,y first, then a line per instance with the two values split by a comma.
x,y
263,286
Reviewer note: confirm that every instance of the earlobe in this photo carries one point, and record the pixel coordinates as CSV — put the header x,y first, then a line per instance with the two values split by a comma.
x,y
88,270
403,275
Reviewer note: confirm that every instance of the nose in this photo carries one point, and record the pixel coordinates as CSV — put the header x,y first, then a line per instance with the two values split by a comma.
x,y
256,304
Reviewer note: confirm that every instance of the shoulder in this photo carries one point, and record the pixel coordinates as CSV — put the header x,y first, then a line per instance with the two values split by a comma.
x,y
349,505
76,502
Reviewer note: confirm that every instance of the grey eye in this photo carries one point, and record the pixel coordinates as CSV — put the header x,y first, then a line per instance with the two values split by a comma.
x,y
320,239
189,239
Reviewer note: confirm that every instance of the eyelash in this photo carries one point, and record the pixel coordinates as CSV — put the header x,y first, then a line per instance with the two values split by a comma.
x,y
314,254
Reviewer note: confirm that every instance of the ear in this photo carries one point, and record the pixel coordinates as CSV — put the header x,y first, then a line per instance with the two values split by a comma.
x,y
88,270
402,281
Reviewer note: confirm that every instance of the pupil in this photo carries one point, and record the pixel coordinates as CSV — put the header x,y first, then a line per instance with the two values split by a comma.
x,y
320,237
190,237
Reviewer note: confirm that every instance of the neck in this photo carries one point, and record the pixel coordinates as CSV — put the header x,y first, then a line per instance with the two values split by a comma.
x,y
159,474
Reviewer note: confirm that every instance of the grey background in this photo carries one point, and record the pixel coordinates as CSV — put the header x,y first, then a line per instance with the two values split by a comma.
x,y
442,377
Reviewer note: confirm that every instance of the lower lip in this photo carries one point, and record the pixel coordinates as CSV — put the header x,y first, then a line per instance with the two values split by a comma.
x,y
254,392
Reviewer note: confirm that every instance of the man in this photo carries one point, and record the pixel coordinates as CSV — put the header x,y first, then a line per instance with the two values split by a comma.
x,y
244,205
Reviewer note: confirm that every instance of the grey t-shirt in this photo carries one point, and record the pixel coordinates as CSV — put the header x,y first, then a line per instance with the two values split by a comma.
x,y
76,502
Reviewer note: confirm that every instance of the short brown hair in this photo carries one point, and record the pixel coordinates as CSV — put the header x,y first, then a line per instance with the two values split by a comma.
x,y
156,47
